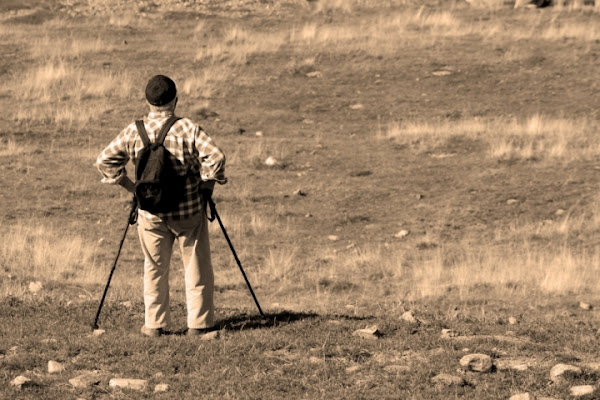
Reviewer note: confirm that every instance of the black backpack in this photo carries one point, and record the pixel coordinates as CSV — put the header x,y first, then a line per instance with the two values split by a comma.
x,y
158,187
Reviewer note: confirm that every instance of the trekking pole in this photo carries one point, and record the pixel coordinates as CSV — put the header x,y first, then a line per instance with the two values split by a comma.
x,y
130,221
213,210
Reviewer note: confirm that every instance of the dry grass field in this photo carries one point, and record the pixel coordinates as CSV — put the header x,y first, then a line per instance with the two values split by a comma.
x,y
430,156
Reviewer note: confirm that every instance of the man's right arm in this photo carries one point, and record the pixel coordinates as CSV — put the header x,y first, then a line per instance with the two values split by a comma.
x,y
111,162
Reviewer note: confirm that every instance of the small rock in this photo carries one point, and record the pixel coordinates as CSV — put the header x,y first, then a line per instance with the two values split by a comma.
x,y
49,341
161,387
259,134
98,332
512,201
357,106
448,380
85,380
559,212
55,367
134,384
477,362
353,369
511,365
308,215
126,304
585,306
558,372
314,74
449,333
370,332
271,161
593,366
21,382
299,192
213,335
333,238
409,317
583,390
35,287
316,360
401,234
512,321
397,369
522,396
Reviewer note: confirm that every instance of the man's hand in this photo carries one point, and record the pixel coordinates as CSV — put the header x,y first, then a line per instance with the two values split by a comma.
x,y
127,184
206,190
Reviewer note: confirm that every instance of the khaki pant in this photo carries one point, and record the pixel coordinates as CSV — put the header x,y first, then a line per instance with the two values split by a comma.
x,y
157,238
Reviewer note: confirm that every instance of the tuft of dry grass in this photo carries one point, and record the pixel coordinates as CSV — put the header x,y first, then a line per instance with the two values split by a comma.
x,y
33,249
535,138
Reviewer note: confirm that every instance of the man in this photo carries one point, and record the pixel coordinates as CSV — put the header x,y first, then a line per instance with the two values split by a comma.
x,y
202,163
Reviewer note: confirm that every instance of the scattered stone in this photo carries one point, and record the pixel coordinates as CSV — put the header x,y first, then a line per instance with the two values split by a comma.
x,y
213,335
316,360
370,332
511,365
409,317
35,287
54,367
559,371
397,369
161,387
449,333
522,3
477,362
357,106
513,321
401,234
259,134
593,366
271,161
353,369
585,306
441,73
333,238
512,201
314,74
98,332
448,380
134,384
522,396
85,380
21,382
559,212
49,341
126,304
299,192
583,390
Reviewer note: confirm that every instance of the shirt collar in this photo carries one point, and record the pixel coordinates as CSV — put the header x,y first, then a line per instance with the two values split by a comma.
x,y
160,114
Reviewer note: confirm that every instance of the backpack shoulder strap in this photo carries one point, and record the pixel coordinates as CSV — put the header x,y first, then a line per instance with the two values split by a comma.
x,y
165,129
142,132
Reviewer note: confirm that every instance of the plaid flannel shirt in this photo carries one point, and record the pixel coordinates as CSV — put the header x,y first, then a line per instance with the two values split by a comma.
x,y
186,141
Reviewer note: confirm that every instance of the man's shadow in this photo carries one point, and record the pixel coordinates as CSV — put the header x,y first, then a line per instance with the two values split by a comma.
x,y
243,321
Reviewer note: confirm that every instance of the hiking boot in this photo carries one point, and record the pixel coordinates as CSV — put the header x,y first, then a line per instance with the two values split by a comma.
x,y
151,332
198,332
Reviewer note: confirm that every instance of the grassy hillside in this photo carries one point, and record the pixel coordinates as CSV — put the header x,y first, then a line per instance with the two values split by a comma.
x,y
430,156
